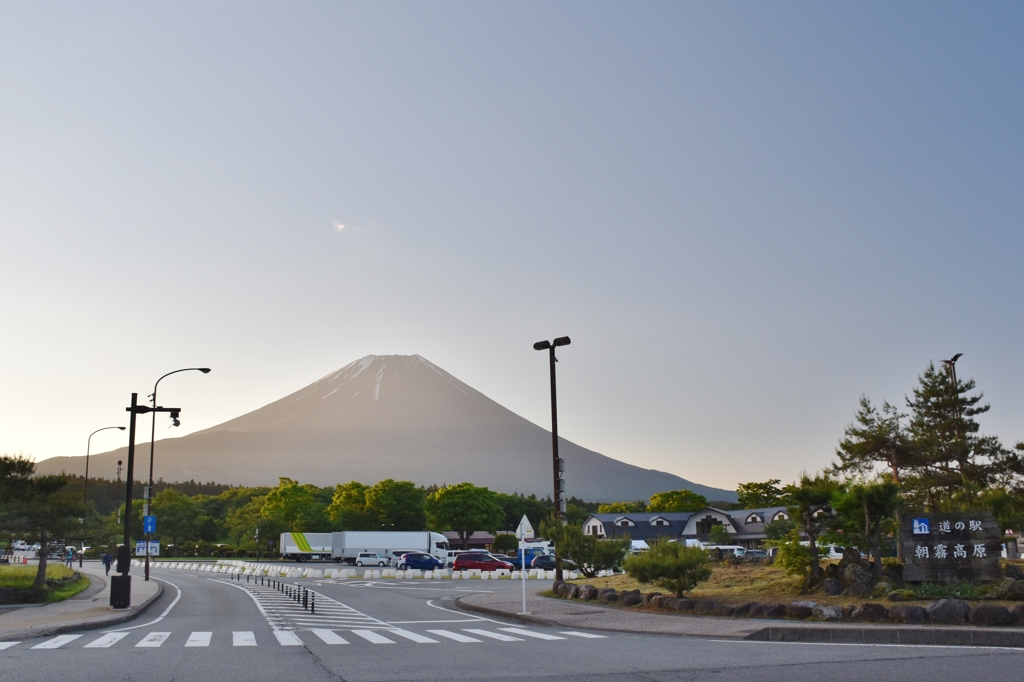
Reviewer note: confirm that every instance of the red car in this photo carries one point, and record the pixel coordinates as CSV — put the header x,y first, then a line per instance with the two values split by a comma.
x,y
481,561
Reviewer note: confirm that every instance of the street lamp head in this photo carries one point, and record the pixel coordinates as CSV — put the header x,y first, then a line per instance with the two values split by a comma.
x,y
542,345
121,428
204,370
561,341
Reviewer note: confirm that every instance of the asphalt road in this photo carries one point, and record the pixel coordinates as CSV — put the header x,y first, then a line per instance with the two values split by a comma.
x,y
210,628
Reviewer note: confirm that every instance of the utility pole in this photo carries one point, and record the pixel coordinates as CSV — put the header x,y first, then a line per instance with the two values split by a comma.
x,y
557,463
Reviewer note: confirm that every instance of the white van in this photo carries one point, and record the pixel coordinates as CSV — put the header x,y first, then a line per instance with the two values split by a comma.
x,y
727,550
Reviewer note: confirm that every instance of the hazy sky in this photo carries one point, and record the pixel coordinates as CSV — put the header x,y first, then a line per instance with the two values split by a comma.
x,y
744,214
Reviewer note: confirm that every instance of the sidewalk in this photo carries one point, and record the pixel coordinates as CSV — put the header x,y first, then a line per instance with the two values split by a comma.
x,y
574,614
85,611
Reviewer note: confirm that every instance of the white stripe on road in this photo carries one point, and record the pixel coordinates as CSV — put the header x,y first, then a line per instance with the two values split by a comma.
x,y
329,637
287,638
107,640
493,635
154,639
243,638
7,645
199,639
527,633
586,635
453,635
371,636
419,639
56,642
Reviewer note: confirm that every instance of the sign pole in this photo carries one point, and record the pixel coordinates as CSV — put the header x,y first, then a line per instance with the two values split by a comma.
x,y
522,564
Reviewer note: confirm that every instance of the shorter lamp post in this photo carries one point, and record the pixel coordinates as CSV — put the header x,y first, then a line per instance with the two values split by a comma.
x,y
558,464
88,447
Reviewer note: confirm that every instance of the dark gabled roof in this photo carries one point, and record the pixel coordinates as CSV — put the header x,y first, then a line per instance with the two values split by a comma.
x,y
643,529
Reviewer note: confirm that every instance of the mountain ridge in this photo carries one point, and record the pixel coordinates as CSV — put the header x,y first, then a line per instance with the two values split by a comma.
x,y
392,416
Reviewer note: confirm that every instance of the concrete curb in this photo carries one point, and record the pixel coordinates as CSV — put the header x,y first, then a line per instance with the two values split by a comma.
x,y
882,634
59,629
518,617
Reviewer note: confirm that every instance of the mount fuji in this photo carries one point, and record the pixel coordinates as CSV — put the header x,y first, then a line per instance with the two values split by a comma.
x,y
392,416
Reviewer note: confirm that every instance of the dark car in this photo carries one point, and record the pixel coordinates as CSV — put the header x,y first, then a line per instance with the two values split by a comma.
x,y
547,563
480,561
419,561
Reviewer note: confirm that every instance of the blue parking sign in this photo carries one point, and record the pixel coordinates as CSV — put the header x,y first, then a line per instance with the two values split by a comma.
x,y
149,524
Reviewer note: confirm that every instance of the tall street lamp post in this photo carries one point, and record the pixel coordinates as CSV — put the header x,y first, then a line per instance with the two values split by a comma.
x,y
557,463
121,585
951,366
88,447
152,437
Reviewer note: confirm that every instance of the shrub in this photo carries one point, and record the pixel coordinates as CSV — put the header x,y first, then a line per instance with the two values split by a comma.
x,y
670,565
793,557
242,553
505,543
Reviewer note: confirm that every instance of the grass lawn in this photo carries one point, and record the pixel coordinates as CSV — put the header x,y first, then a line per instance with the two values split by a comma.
x,y
21,578
735,585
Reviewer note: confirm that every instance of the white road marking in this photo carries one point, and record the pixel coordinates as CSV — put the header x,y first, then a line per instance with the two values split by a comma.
x,y
329,637
154,639
199,639
162,615
527,633
56,642
586,635
243,638
371,636
419,639
107,640
493,635
287,638
7,645
453,635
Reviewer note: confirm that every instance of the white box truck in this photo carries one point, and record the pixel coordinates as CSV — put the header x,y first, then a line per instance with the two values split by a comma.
x,y
305,546
347,544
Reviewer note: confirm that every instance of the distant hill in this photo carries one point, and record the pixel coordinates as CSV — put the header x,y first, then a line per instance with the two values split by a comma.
x,y
391,416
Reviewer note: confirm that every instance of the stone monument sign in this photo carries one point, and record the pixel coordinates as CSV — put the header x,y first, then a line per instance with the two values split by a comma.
x,y
942,548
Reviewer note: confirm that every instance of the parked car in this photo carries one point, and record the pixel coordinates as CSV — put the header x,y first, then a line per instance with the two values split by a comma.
x,y
547,563
481,561
396,554
755,555
420,561
370,559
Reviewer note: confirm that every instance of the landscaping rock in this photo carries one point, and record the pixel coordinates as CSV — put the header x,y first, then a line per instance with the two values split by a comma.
x,y
773,611
800,609
6,595
657,601
607,594
558,587
588,592
629,597
991,614
705,606
869,613
895,577
756,611
650,595
827,613
832,586
1018,613
832,571
856,574
901,595
670,603
911,614
1013,571
572,592
1009,589
851,557
728,611
948,611
881,589
743,610
685,605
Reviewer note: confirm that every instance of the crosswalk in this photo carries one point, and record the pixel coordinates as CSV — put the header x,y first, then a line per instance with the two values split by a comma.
x,y
316,637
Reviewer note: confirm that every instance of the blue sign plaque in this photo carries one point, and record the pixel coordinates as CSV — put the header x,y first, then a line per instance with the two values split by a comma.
x,y
921,527
149,524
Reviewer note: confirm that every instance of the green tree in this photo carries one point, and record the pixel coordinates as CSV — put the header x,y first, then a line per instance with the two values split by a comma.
x,y
463,508
861,512
299,507
397,505
177,514
810,507
518,506
719,535
505,543
38,506
591,554
670,565
677,501
348,507
793,556
759,495
622,508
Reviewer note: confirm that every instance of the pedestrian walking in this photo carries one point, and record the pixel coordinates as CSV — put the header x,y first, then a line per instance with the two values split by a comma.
x,y
107,561
70,556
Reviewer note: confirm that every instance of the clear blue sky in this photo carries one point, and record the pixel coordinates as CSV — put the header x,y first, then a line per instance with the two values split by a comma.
x,y
744,214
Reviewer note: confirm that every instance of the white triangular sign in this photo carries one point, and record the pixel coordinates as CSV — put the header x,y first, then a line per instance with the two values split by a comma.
x,y
525,530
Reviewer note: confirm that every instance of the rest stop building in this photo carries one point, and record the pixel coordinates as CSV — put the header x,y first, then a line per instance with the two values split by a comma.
x,y
745,526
